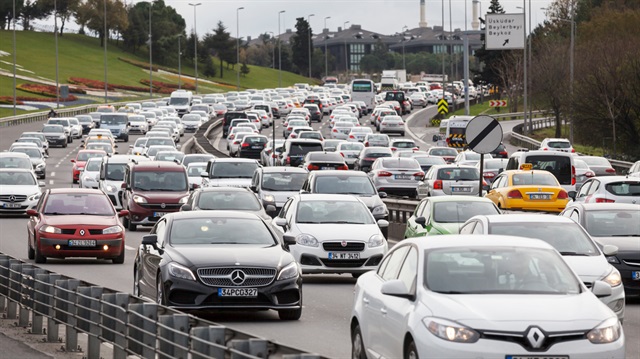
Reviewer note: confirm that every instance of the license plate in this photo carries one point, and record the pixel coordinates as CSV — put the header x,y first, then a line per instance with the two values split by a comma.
x,y
256,147
539,196
344,255
159,214
391,124
327,168
460,189
12,205
537,357
402,177
635,275
237,292
82,243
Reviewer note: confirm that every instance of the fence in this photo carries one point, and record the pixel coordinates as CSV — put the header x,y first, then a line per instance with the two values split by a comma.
x,y
133,326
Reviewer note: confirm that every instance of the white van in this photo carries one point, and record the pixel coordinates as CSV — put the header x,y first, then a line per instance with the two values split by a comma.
x,y
181,101
456,130
560,164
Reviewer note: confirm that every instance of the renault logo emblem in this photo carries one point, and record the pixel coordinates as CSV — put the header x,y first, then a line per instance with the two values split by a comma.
x,y
238,277
536,337
82,232
12,198
163,205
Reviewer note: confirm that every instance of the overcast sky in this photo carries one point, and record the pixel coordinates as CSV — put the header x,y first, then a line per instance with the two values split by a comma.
x,y
382,16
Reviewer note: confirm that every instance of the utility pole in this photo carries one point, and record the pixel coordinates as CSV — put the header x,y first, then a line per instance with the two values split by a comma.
x,y
279,52
238,45
195,42
346,57
13,17
179,64
150,54
326,66
55,32
105,52
309,24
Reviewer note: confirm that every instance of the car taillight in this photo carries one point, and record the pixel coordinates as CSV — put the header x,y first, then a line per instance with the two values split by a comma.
x,y
245,145
343,168
288,160
289,128
366,144
437,184
563,195
384,174
393,149
573,175
293,135
589,174
312,167
489,175
236,142
231,137
418,174
514,194
416,148
573,150
335,130
604,200
317,112
352,136
341,154
545,149
610,170
369,159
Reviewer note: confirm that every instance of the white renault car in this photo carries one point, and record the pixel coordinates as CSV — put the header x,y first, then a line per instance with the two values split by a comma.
x,y
333,233
498,297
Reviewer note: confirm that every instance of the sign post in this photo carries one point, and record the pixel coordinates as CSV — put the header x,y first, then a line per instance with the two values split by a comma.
x,y
443,107
484,134
504,32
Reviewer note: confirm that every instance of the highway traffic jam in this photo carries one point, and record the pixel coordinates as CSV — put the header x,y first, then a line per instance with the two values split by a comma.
x,y
534,256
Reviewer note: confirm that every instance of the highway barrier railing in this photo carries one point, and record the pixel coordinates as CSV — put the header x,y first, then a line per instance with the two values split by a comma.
x,y
62,112
131,325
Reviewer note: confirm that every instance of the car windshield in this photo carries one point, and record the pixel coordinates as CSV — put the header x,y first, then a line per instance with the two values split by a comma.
x,y
283,181
199,158
472,156
78,204
352,146
100,146
84,156
559,166
141,142
232,200
459,174
429,160
233,169
299,149
115,171
460,212
93,166
567,238
534,179
404,144
29,151
159,141
344,184
624,188
15,162
498,270
179,101
494,165
114,119
613,223
170,181
53,129
341,212
169,156
195,170
596,161
64,123
443,152
17,179
221,231
189,118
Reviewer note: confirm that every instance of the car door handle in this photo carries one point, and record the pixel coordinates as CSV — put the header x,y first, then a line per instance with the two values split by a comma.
x,y
365,300
383,311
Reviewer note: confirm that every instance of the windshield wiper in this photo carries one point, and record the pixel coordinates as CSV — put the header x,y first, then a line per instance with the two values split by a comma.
x,y
54,213
623,235
309,222
567,253
344,222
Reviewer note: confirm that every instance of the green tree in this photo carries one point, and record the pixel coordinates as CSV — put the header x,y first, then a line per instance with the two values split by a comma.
x,y
220,44
244,70
91,15
299,44
64,8
6,10
209,68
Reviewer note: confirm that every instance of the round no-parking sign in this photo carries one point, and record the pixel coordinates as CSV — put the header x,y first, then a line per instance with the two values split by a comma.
x,y
484,134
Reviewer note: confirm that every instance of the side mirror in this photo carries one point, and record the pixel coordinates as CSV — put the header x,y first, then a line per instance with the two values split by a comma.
x,y
396,288
382,194
435,138
281,222
73,161
46,156
123,213
254,188
204,174
32,212
130,146
123,185
150,240
382,223
194,186
41,184
421,221
178,147
289,239
609,250
115,146
601,289
186,208
572,195
271,208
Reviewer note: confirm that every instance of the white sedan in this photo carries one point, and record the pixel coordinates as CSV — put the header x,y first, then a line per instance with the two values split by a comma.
x,y
461,296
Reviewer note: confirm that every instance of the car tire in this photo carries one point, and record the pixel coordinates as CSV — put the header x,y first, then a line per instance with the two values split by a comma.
x,y
120,258
74,181
65,145
402,134
290,314
357,344
125,222
160,297
69,139
44,176
411,352
39,258
126,139
31,253
131,226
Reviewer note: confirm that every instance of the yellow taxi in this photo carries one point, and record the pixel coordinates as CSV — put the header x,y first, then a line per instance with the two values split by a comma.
x,y
528,190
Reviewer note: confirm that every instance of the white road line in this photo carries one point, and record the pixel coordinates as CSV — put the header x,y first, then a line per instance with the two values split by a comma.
x,y
51,182
52,174
129,248
58,165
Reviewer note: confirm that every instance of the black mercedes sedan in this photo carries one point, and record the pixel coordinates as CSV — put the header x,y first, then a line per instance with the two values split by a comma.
x,y
218,260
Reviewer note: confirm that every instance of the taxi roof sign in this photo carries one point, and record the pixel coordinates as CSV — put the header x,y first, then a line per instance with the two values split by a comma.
x,y
526,166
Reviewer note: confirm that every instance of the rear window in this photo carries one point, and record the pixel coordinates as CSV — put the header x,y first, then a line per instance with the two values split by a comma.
x,y
624,188
559,144
298,149
535,179
404,144
456,173
321,156
559,166
400,163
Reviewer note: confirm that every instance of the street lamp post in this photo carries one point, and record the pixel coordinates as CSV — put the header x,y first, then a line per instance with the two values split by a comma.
x,y
346,56
404,66
55,32
179,63
105,51
309,23
13,18
150,54
326,66
238,45
279,53
195,42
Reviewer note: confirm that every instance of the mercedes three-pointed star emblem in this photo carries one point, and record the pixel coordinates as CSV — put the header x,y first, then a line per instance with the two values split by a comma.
x,y
238,277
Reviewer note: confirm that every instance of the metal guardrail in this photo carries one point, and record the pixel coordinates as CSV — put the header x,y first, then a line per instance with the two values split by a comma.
x,y
133,326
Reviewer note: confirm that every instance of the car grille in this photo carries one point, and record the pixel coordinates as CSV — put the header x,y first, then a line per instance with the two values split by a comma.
x,y
226,276
71,231
112,198
521,338
348,247
15,197
633,264
158,206
347,263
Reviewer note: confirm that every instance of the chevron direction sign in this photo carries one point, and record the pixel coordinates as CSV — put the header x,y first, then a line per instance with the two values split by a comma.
x,y
443,107
497,103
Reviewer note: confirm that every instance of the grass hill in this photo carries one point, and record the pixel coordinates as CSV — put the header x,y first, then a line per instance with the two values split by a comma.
x,y
82,56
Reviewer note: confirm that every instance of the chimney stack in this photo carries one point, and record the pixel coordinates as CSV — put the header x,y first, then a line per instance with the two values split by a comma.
x,y
475,23
423,22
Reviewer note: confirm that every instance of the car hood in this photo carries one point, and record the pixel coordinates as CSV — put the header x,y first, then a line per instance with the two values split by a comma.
x,y
589,269
36,161
551,312
624,244
370,201
73,220
338,231
159,197
20,190
197,256
229,182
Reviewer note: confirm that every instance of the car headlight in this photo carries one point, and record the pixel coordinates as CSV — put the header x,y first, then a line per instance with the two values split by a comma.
x,y
290,271
34,197
111,188
180,271
613,278
61,137
112,230
139,199
40,165
376,241
50,229
88,179
381,209
307,240
450,331
606,332
269,198
184,199
613,259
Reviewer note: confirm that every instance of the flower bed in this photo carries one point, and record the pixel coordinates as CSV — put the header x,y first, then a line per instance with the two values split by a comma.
x,y
46,90
21,99
8,100
94,84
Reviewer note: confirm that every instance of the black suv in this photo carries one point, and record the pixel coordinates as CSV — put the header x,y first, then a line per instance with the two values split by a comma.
x,y
226,120
397,96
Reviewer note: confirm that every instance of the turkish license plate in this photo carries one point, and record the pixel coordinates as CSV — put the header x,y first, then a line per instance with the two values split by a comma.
x,y
159,214
327,168
237,292
460,189
344,255
635,275
12,205
82,243
256,147
402,177
537,357
539,196
391,124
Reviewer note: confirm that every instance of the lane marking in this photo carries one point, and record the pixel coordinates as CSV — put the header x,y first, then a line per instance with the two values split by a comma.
x,y
129,248
52,174
50,182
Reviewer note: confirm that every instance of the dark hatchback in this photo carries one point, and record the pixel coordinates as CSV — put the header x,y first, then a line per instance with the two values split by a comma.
x,y
226,120
369,155
251,146
315,161
218,260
